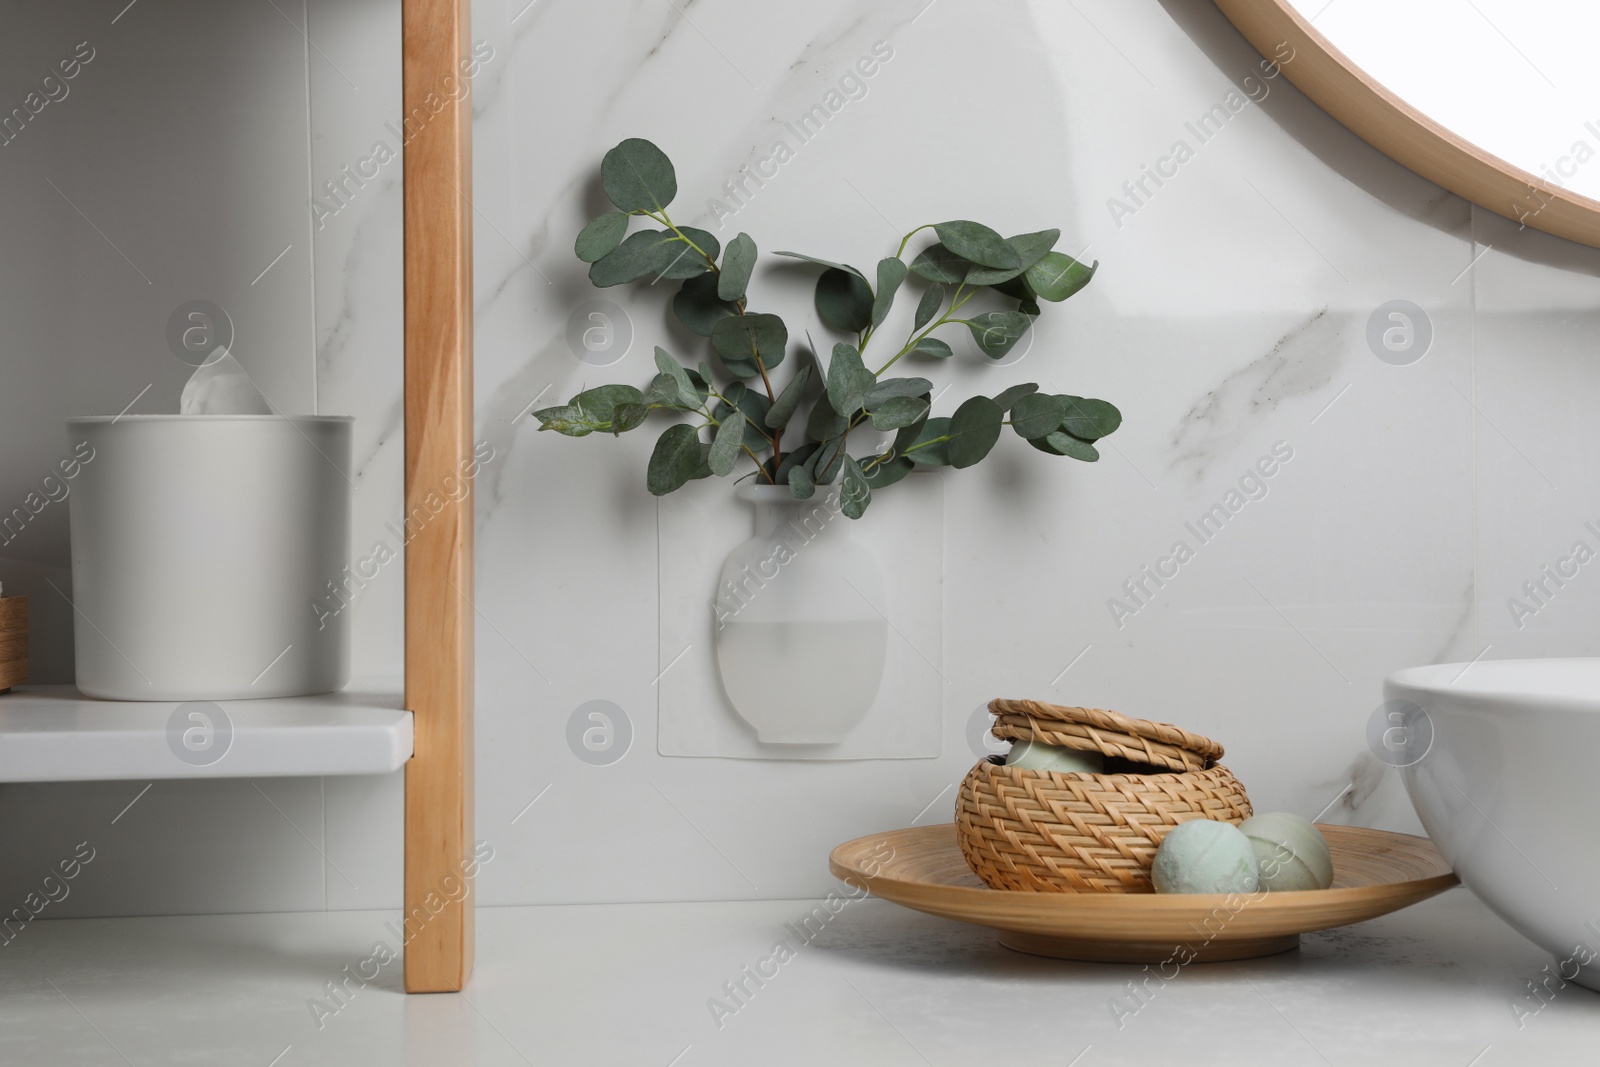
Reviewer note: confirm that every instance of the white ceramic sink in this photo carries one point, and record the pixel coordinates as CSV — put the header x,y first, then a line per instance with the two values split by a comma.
x,y
1507,790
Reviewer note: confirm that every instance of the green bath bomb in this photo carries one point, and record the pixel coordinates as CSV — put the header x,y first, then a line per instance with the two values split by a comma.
x,y
1205,856
1291,853
1033,756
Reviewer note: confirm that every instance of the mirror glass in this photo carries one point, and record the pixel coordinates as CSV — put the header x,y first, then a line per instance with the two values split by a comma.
x,y
1516,78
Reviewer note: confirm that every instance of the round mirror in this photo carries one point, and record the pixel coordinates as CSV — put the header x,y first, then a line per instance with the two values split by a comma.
x,y
1495,100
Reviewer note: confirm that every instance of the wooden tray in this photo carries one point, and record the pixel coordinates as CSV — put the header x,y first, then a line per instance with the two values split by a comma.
x,y
1374,872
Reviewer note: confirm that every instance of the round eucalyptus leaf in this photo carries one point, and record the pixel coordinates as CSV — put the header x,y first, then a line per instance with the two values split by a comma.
x,y
932,300
629,417
891,272
1008,399
1038,414
844,300
1062,443
698,307
978,243
889,472
997,332
824,421
643,252
737,264
600,403
889,387
743,339
974,429
676,458
800,483
638,176
601,236
938,264
1057,276
854,492
725,445
899,411
789,399
686,259
926,448
848,381
796,457
847,268
1088,418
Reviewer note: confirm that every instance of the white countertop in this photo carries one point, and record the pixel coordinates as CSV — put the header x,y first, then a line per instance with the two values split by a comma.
x,y
631,984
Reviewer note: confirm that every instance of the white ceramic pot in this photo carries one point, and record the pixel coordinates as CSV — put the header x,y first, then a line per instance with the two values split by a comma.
x,y
802,632
206,552
1506,790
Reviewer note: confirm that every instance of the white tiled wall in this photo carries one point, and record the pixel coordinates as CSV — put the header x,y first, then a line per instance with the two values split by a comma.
x,y
1230,314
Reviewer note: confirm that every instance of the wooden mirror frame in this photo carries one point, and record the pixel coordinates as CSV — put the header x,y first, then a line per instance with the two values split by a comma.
x,y
435,40
1405,134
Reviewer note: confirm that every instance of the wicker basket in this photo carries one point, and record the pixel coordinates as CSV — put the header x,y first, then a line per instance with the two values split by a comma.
x,y
1045,831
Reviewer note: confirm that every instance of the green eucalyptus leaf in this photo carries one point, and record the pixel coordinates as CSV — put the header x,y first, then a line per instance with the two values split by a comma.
x,y
824,421
889,387
932,300
926,448
1030,248
938,264
1062,443
638,176
687,393
891,272
789,399
725,445
565,419
600,403
703,468
905,437
844,300
978,243
796,457
854,492
741,340
754,405
933,348
685,259
899,411
675,459
601,236
823,263
997,332
889,472
629,417
1057,276
663,391
1089,419
737,264
701,377
644,252
1038,414
1008,399
800,483
848,381
974,429
698,307
824,464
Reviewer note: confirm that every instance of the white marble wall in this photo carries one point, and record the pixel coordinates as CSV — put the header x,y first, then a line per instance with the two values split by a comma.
x,y
1230,314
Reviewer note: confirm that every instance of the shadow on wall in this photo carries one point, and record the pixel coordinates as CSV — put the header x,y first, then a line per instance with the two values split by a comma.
x,y
1348,155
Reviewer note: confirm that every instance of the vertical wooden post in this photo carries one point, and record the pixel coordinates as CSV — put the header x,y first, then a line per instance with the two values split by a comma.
x,y
438,431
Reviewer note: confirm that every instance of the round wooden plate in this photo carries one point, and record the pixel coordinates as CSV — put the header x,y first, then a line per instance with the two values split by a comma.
x,y
1374,872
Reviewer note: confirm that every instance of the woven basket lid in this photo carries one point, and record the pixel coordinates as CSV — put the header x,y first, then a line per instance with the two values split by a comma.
x,y
1106,732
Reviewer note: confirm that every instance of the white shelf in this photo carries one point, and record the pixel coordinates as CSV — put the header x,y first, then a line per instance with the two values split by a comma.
x,y
53,733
